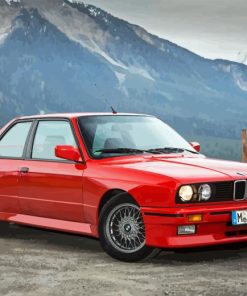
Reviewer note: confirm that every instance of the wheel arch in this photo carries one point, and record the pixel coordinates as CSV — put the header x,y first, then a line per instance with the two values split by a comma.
x,y
110,194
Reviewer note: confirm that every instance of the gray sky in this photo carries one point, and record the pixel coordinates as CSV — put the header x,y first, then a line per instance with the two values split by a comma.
x,y
211,28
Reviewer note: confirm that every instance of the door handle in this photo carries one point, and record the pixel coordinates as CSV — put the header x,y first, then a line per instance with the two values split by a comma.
x,y
24,170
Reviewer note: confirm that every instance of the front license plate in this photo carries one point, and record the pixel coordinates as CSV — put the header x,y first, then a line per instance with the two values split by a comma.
x,y
239,217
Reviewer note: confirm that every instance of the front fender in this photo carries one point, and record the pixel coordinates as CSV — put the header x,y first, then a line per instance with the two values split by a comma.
x,y
152,195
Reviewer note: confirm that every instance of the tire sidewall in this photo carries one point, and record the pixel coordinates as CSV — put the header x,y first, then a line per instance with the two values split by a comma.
x,y
104,240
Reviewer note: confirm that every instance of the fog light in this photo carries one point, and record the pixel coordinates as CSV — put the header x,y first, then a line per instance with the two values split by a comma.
x,y
186,229
195,218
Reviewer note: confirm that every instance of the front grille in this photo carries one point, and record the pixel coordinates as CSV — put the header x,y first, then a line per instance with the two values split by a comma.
x,y
239,190
230,190
223,191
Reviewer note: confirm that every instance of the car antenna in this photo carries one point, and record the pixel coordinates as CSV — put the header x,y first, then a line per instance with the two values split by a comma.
x,y
113,110
106,101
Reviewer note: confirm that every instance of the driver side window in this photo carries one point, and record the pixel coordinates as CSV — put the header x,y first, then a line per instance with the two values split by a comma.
x,y
49,134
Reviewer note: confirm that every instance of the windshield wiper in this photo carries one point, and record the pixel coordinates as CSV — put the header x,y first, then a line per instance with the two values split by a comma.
x,y
152,151
127,150
171,150
120,150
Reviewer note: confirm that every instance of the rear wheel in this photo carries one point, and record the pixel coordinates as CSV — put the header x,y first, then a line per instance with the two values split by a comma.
x,y
122,230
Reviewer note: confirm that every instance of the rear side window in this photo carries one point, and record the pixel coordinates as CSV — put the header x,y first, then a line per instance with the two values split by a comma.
x,y
49,134
13,142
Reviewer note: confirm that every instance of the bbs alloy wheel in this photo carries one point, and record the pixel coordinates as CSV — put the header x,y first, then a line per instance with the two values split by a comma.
x,y
125,228
122,229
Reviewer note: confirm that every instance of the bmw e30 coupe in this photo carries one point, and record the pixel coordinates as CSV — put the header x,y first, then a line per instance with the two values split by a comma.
x,y
128,179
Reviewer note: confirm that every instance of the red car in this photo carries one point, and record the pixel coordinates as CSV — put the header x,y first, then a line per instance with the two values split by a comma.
x,y
127,179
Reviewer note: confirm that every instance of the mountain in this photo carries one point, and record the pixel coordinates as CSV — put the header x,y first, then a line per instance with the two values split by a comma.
x,y
58,56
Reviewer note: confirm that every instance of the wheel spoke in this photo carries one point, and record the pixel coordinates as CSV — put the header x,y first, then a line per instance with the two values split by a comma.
x,y
126,228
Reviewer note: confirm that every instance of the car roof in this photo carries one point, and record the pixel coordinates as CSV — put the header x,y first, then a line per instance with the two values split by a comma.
x,y
79,114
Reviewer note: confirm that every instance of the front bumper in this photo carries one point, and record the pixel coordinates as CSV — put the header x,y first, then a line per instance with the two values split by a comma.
x,y
161,226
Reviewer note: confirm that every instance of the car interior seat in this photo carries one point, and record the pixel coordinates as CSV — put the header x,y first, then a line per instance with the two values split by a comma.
x,y
113,143
49,146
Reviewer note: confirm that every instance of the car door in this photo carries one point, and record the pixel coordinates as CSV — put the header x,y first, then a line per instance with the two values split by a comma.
x,y
12,148
51,187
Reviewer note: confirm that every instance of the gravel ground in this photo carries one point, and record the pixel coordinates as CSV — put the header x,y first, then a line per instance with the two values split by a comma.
x,y
38,262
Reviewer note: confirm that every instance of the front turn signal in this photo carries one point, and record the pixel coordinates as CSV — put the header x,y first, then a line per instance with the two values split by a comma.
x,y
195,218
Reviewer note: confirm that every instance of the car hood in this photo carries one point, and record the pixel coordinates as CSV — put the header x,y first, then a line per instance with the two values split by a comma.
x,y
192,168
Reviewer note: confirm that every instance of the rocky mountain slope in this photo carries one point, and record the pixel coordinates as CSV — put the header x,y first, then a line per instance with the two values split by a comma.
x,y
68,56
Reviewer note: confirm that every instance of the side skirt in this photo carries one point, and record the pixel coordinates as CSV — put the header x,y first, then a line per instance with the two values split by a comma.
x,y
53,224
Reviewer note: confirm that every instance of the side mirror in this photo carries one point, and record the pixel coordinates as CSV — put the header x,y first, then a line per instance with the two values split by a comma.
x,y
68,152
196,146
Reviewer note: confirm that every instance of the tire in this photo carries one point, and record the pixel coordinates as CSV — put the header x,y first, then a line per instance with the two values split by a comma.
x,y
4,228
122,230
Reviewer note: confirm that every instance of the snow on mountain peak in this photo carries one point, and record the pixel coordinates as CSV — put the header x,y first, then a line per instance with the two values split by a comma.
x,y
94,11
240,80
74,1
3,36
9,2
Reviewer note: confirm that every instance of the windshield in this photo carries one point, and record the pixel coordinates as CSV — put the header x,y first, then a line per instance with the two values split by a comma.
x,y
114,135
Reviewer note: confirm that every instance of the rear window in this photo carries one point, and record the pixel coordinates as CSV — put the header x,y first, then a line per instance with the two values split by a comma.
x,y
13,142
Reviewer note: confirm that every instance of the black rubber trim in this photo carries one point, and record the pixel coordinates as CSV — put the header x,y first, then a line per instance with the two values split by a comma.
x,y
28,148
163,215
219,213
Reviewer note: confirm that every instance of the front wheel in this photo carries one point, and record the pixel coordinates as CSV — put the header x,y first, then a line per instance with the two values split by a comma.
x,y
122,230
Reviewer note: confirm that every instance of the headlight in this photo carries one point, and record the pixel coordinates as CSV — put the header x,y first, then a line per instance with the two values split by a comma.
x,y
205,192
186,193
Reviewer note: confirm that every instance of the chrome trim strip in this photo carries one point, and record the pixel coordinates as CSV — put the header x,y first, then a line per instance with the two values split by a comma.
x,y
234,190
